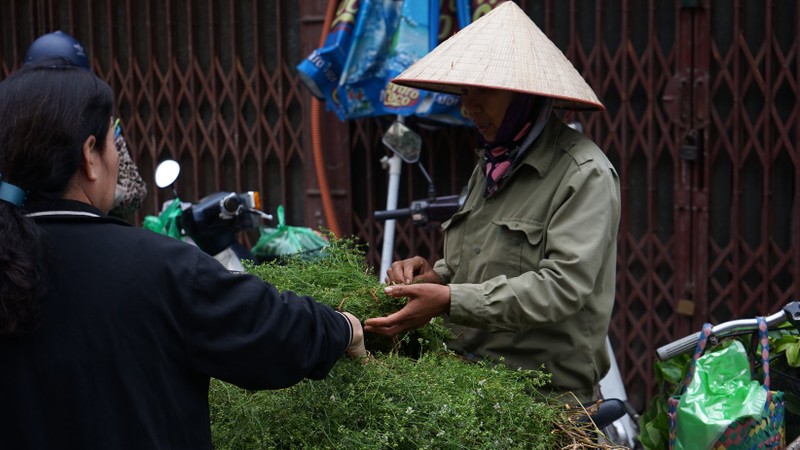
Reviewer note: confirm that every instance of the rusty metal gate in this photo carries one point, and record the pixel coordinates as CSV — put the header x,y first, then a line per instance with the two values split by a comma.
x,y
209,83
701,122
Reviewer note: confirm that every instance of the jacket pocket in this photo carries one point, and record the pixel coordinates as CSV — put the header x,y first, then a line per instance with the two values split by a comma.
x,y
519,245
532,230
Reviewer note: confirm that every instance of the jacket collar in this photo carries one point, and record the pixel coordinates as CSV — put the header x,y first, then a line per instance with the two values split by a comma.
x,y
59,209
544,147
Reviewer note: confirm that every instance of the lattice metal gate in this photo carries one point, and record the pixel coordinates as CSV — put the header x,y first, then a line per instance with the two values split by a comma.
x,y
209,83
702,124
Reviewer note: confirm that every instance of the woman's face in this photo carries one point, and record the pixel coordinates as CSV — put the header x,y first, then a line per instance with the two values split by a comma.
x,y
486,108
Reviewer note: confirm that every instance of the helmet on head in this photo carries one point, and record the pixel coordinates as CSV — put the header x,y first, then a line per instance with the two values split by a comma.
x,y
57,44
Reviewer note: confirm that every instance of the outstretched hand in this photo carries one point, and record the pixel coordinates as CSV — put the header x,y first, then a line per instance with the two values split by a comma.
x,y
425,301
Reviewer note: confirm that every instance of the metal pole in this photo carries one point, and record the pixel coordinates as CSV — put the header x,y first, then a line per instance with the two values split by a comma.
x,y
395,166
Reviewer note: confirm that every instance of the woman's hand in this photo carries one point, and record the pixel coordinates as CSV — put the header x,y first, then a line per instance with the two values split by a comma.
x,y
425,301
356,347
410,270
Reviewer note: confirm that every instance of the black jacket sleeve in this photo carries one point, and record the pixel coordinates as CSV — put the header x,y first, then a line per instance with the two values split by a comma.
x,y
241,330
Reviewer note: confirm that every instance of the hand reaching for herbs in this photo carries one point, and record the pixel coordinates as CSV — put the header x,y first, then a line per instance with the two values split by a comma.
x,y
416,269
425,301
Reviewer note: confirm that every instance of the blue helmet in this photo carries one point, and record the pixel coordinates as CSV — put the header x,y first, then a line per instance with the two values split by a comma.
x,y
57,44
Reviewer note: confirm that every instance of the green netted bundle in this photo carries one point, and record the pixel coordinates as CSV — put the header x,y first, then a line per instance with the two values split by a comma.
x,y
412,393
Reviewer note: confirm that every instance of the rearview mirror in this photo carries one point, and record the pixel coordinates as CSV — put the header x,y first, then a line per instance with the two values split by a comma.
x,y
403,141
167,172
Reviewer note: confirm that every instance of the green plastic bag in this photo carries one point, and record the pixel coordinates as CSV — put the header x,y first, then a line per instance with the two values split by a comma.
x,y
276,243
721,391
167,222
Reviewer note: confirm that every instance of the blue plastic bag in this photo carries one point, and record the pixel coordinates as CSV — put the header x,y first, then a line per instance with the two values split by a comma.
x,y
320,71
363,77
411,41
417,34
373,41
438,106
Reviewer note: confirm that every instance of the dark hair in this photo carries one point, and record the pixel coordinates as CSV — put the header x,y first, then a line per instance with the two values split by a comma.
x,y
47,111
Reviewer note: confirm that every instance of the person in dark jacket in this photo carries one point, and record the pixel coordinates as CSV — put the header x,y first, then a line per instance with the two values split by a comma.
x,y
109,334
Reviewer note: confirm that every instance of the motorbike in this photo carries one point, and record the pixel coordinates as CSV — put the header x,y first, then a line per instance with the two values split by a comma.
x,y
212,223
614,415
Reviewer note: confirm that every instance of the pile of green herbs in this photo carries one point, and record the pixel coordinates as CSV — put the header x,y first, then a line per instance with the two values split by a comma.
x,y
341,278
412,393
436,401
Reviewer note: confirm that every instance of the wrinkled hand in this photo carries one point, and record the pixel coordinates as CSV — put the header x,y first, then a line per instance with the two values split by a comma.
x,y
425,301
409,270
356,347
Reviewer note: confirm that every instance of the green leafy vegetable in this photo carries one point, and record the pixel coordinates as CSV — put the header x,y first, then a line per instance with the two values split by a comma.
x,y
412,394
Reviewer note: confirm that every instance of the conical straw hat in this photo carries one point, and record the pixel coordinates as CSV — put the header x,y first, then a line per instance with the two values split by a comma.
x,y
504,50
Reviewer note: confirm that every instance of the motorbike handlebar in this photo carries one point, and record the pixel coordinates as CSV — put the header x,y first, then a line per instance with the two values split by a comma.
x,y
392,214
789,314
214,220
422,211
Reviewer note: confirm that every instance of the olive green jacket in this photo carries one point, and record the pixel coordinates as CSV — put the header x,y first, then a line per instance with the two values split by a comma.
x,y
532,269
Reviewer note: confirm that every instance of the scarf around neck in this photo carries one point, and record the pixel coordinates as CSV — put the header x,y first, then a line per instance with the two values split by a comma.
x,y
525,118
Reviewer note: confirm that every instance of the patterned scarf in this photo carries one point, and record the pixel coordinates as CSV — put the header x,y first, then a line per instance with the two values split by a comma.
x,y
525,118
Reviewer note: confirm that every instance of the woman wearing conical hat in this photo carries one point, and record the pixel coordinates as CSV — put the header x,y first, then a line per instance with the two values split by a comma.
x,y
529,263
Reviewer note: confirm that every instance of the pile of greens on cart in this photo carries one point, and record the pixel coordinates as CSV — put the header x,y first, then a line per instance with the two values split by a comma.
x,y
410,393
